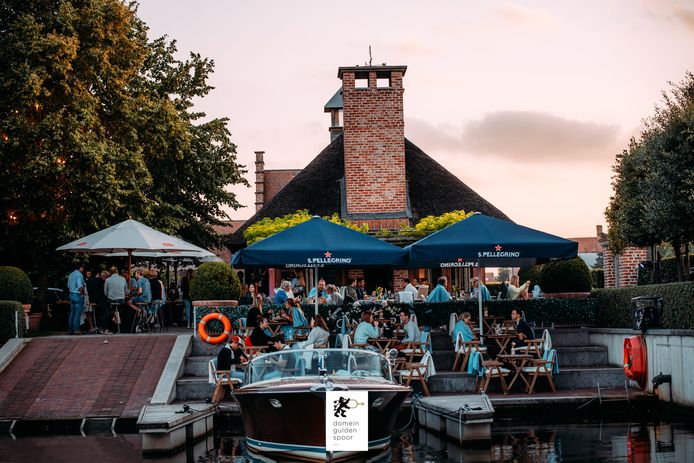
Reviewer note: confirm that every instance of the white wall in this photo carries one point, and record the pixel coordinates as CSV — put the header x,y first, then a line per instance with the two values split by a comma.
x,y
669,352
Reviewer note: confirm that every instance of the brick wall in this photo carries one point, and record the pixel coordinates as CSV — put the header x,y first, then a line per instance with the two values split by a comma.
x,y
398,275
628,262
378,224
275,180
374,142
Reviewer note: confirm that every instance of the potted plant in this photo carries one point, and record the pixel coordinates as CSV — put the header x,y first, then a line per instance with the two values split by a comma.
x,y
16,286
215,284
566,279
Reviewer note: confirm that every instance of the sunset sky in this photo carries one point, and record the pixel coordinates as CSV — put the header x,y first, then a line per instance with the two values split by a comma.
x,y
526,102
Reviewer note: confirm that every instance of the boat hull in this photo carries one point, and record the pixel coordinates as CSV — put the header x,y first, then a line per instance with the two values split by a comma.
x,y
291,420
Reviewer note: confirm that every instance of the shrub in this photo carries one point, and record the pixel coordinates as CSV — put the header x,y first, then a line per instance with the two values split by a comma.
x,y
215,281
531,274
668,272
8,309
598,277
15,285
614,305
565,276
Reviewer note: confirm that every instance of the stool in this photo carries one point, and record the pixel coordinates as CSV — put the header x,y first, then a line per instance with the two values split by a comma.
x,y
140,324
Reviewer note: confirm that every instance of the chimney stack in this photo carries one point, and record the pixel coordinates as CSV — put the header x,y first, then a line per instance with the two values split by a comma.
x,y
259,180
598,229
375,185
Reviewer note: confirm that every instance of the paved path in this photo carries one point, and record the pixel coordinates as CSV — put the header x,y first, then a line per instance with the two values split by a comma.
x,y
82,376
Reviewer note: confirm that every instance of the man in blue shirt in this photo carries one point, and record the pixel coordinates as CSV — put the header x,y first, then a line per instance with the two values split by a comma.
x,y
412,333
282,295
439,294
321,291
75,285
144,290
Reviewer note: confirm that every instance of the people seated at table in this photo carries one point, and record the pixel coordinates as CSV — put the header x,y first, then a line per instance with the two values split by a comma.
x,y
283,293
320,291
351,292
513,291
523,330
334,296
462,326
412,333
319,335
262,336
144,291
479,288
232,355
411,288
366,329
439,294
361,289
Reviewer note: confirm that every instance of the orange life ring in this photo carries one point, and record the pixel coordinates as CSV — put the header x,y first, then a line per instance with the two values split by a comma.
x,y
217,339
636,360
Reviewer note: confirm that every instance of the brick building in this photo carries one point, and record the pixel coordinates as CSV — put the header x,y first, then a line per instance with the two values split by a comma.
x,y
369,172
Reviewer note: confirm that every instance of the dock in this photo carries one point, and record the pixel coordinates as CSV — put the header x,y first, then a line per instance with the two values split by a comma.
x,y
464,418
167,428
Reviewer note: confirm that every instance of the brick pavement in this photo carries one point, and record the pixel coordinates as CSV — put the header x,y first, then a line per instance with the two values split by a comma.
x,y
77,377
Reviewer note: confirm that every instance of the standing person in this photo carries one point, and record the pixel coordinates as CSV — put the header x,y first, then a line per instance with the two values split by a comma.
x,y
158,293
92,292
75,284
103,305
95,290
116,289
479,288
185,296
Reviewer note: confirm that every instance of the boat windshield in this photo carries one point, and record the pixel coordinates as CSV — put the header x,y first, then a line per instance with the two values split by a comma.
x,y
295,363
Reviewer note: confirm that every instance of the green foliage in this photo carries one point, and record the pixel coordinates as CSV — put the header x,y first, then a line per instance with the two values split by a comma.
x,y
215,281
668,272
431,224
614,305
269,226
8,309
97,126
565,276
494,287
15,285
531,274
598,277
654,178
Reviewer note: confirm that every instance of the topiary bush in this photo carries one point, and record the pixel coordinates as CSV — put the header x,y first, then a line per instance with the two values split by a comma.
x,y
8,309
598,276
565,276
15,285
215,281
531,274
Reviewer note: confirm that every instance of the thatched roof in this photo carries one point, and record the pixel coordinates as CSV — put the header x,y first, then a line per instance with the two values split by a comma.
x,y
432,189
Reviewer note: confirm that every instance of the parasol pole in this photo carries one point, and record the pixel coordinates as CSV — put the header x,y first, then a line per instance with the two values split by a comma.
x,y
479,299
315,285
130,253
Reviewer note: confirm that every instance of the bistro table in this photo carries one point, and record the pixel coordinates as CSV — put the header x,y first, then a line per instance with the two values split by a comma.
x,y
518,362
276,326
384,344
489,323
501,340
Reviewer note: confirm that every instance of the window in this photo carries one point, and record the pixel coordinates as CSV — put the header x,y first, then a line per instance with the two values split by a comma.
x,y
383,82
361,82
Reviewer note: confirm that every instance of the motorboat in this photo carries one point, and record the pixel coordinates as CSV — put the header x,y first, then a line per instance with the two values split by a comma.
x,y
283,400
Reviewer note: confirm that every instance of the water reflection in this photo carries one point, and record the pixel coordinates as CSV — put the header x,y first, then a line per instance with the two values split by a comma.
x,y
631,443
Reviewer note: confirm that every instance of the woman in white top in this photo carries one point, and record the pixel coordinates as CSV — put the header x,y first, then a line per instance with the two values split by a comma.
x,y
516,292
319,333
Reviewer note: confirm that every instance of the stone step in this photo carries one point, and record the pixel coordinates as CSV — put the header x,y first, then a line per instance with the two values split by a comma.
x,y
197,366
204,349
193,388
567,379
443,360
582,356
440,340
561,337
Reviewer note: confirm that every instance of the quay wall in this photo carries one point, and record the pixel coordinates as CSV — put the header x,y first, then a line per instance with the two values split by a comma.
x,y
669,352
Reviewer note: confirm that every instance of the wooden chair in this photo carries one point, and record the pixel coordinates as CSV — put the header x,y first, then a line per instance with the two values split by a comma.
x,y
463,349
542,368
536,347
493,369
418,371
417,350
221,379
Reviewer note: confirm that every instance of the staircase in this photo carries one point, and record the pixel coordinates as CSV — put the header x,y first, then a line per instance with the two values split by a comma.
x,y
581,366
194,385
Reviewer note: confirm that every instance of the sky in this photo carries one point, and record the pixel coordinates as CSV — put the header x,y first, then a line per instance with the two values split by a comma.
x,y
526,102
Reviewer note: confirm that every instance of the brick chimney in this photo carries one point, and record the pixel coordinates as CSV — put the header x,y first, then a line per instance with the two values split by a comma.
x,y
598,230
375,186
259,180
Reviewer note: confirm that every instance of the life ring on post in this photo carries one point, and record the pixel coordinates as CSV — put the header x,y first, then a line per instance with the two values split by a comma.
x,y
636,360
217,339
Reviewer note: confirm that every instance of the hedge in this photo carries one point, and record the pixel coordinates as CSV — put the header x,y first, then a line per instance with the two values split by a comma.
x,y
668,272
7,320
572,312
215,281
15,285
678,305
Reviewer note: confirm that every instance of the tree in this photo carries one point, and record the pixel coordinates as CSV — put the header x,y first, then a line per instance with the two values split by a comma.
x,y
269,226
97,125
654,179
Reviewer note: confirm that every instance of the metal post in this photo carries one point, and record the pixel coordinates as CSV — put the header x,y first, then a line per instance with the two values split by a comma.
x,y
315,285
16,324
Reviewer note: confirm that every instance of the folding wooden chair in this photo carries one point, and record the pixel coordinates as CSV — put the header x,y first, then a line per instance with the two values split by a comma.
x,y
536,347
417,350
493,369
542,367
222,379
417,371
463,349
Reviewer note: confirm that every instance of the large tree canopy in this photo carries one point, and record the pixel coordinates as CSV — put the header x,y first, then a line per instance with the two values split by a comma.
x,y
97,125
653,179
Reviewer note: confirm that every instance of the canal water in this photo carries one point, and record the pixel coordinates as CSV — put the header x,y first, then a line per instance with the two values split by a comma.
x,y
594,442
